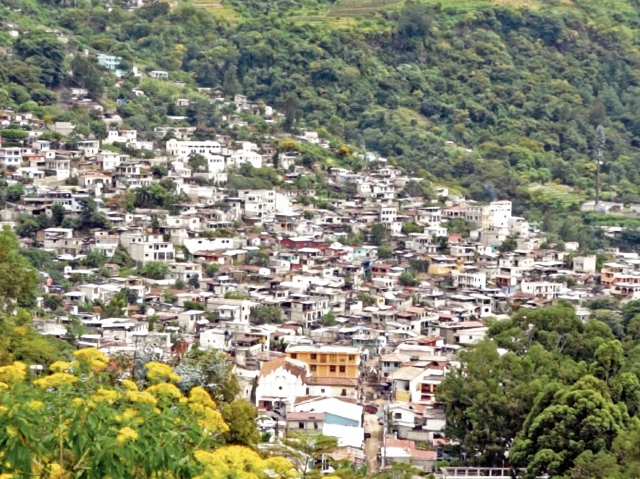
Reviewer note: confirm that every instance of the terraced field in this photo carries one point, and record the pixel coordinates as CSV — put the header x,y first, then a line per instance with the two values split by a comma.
x,y
217,9
564,194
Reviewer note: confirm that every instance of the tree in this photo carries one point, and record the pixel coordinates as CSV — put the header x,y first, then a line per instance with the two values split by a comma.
x,y
230,83
90,217
125,431
13,135
58,213
408,279
599,143
385,251
115,308
240,416
143,198
408,228
378,234
263,314
154,270
45,51
194,281
95,259
329,319
197,162
18,279
302,449
14,193
86,72
459,225
564,423
291,111
212,269
211,370
52,301
509,244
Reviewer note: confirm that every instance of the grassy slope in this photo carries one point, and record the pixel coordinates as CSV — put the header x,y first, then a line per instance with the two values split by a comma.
x,y
345,13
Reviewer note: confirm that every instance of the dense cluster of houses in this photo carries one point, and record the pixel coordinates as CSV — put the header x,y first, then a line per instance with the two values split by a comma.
x,y
333,328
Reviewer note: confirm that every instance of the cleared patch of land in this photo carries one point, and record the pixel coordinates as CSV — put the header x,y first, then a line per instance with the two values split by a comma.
x,y
562,193
217,9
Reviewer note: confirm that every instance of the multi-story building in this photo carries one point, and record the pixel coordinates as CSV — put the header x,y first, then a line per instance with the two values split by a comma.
x,y
328,361
110,62
10,157
468,279
306,310
542,289
496,214
183,149
185,271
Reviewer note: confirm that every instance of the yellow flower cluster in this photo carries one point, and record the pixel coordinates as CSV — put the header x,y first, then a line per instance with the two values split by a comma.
x,y
125,434
60,366
92,358
140,397
20,330
211,421
105,395
204,408
199,395
13,374
127,415
55,380
242,463
159,372
130,385
165,390
56,471
35,405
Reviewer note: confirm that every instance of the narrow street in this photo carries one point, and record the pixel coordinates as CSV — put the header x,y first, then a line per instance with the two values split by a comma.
x,y
372,445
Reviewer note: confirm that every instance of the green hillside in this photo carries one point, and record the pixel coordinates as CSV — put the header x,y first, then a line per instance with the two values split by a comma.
x,y
517,85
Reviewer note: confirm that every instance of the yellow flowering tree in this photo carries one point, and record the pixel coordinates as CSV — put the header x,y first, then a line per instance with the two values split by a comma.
x,y
70,423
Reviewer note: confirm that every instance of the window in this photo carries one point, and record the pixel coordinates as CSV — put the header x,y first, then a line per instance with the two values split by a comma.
x,y
397,415
343,393
315,425
294,355
322,390
300,425
313,368
352,358
343,369
314,356
332,369
332,357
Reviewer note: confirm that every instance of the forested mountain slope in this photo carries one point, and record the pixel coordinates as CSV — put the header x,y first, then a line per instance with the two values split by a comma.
x,y
518,87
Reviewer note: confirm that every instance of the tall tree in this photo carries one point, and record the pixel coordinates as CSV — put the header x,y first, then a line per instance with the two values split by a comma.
x,y
58,213
599,142
292,111
230,83
564,423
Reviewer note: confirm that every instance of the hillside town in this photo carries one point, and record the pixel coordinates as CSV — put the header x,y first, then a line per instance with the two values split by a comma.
x,y
341,312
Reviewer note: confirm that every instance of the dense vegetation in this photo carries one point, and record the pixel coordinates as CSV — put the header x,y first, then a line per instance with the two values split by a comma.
x,y
519,91
555,395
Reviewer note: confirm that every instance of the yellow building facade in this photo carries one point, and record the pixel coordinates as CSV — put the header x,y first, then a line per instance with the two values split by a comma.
x,y
328,361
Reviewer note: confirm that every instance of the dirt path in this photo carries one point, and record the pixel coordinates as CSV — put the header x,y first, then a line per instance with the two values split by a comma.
x,y
372,445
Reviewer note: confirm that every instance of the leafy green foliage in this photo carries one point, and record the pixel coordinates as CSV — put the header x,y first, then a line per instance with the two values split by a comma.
x,y
154,270
264,314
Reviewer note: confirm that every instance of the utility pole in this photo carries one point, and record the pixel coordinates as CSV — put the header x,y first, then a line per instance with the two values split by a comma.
x,y
599,142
